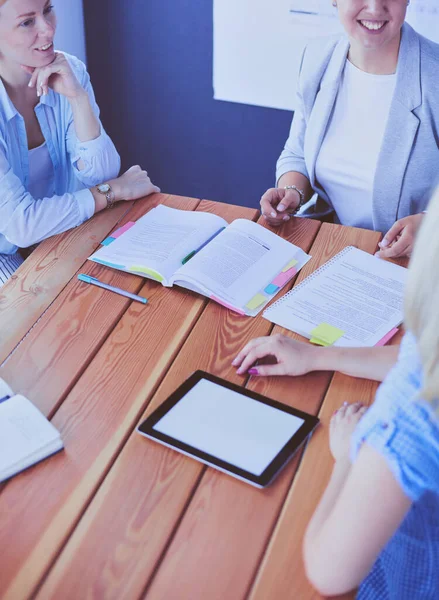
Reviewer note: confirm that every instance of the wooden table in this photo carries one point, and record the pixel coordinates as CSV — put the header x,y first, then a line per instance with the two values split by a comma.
x,y
115,515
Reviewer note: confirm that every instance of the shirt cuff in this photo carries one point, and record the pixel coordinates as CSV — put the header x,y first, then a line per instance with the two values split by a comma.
x,y
85,203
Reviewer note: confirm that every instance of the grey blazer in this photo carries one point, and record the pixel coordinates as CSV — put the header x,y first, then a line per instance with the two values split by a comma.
x,y
408,164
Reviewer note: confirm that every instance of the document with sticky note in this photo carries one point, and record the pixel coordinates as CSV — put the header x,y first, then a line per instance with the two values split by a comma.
x,y
355,299
240,265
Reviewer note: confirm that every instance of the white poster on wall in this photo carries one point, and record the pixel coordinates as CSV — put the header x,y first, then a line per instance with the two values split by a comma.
x,y
258,44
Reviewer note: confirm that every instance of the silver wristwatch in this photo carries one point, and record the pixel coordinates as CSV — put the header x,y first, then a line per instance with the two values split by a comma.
x,y
105,189
301,197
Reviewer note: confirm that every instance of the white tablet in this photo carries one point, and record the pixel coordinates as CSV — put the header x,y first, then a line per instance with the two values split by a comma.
x,y
229,428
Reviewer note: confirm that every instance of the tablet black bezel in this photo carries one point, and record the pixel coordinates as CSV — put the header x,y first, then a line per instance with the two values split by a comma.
x,y
293,444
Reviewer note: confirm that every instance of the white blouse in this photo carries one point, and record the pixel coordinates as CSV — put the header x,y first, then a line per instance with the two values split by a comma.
x,y
41,173
347,160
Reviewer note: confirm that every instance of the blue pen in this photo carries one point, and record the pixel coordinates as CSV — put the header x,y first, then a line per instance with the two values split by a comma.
x,y
194,252
111,288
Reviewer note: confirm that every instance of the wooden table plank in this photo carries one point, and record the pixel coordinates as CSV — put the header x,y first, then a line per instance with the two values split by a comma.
x,y
160,481
226,518
95,420
57,350
39,280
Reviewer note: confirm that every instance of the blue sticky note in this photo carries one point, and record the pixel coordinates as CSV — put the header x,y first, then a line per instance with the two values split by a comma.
x,y
272,289
108,241
108,264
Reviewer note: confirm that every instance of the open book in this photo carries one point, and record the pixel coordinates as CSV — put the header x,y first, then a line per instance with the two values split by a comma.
x,y
355,299
26,436
242,265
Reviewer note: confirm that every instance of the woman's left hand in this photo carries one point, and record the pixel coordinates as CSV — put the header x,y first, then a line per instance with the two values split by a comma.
x,y
58,76
341,428
400,238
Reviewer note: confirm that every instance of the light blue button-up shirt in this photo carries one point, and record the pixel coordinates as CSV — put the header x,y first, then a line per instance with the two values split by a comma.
x,y
25,220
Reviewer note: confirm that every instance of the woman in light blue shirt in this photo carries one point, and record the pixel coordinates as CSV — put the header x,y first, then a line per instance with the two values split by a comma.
x,y
58,167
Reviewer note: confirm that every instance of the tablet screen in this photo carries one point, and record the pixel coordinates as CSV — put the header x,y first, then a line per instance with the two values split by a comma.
x,y
230,426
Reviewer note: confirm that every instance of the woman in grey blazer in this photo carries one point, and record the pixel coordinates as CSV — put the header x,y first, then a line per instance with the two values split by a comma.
x,y
365,133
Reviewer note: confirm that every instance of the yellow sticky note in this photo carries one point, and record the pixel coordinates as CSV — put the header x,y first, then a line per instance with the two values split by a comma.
x,y
325,335
150,272
290,265
256,302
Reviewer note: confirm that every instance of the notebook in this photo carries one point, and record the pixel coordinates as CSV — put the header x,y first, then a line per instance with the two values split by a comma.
x,y
355,299
26,436
241,266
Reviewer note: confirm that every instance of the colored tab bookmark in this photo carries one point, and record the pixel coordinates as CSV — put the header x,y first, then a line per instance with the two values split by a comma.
x,y
325,335
290,265
256,302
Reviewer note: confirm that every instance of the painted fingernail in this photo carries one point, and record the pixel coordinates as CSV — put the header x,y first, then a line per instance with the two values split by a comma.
x,y
286,218
273,214
253,371
384,243
281,207
345,403
234,361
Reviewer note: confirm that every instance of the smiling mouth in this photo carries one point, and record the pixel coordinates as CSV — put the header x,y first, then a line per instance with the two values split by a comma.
x,y
372,25
45,48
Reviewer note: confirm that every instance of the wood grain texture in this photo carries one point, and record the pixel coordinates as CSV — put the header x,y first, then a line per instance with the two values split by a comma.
x,y
225,510
52,356
44,274
95,421
160,481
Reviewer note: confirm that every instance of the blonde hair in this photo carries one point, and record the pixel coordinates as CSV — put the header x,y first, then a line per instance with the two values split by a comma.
x,y
422,299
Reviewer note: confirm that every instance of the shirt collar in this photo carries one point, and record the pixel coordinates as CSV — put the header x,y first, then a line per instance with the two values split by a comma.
x,y
8,109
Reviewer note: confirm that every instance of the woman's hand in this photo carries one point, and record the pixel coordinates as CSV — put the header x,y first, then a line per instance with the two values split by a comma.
x,y
278,204
133,184
341,428
400,238
293,358
58,76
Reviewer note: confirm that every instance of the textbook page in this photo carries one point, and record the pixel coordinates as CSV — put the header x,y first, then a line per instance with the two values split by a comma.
x,y
156,245
360,294
240,263
26,436
5,390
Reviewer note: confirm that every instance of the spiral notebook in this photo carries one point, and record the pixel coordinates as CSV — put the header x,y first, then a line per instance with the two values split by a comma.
x,y
355,296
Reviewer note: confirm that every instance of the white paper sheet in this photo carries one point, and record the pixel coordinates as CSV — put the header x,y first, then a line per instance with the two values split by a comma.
x,y
357,293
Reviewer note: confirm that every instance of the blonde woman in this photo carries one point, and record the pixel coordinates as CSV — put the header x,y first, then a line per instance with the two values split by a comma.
x,y
58,167
364,136
377,524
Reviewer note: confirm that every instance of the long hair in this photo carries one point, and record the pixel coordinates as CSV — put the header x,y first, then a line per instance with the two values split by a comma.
x,y
422,299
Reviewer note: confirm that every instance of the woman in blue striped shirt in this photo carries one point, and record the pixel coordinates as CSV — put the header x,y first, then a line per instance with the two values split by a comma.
x,y
58,167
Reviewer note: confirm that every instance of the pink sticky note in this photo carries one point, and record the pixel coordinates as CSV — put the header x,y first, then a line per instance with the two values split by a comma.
x,y
121,230
283,278
227,306
387,337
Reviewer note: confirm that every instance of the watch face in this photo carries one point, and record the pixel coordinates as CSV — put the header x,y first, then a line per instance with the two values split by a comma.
x,y
104,188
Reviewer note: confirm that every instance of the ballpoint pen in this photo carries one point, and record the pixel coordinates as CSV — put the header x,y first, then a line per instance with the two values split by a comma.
x,y
191,254
111,288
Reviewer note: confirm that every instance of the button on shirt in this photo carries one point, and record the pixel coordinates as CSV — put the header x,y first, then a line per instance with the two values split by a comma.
x,y
347,161
25,220
404,429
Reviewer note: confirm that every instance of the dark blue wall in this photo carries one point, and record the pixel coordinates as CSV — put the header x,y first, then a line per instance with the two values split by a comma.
x,y
151,67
